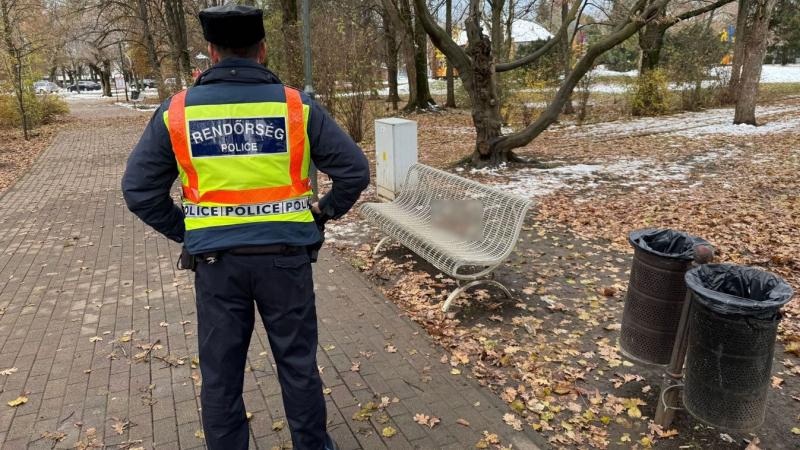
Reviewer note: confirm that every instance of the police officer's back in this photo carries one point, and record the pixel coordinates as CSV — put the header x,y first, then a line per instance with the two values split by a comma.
x,y
241,144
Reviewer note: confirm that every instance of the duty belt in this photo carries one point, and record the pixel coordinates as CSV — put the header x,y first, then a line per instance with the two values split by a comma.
x,y
189,262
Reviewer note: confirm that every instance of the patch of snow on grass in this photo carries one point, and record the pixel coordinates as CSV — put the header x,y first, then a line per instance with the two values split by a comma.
x,y
638,173
712,121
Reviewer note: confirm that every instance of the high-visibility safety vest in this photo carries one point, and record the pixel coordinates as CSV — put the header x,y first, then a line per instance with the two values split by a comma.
x,y
242,163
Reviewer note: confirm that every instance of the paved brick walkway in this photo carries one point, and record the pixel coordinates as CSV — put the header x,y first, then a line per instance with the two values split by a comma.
x,y
100,327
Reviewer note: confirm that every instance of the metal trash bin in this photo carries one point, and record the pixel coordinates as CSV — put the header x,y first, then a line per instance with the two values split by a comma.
x,y
733,323
656,293
135,94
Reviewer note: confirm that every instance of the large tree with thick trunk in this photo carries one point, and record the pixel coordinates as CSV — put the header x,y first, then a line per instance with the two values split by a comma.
x,y
477,69
749,50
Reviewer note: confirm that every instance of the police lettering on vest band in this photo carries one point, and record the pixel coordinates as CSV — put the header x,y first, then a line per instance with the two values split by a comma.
x,y
237,137
261,209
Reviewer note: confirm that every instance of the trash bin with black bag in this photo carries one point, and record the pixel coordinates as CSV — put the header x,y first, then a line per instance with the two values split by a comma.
x,y
733,324
657,291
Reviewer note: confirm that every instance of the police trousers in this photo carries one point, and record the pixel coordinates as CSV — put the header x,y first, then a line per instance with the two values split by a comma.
x,y
228,291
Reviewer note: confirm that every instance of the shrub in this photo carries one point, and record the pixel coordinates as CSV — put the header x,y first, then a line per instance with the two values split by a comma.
x,y
649,96
690,54
39,109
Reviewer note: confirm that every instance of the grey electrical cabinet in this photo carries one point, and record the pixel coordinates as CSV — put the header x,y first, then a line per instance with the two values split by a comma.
x,y
395,153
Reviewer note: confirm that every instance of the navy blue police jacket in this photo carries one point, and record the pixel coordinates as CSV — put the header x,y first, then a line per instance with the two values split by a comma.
x,y
152,168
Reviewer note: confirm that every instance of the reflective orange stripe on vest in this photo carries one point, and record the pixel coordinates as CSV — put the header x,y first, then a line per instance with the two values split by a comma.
x,y
296,139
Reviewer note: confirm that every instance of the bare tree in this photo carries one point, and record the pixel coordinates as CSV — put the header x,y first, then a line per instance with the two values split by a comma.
x,y
451,89
751,45
142,12
175,25
291,43
18,46
415,46
476,68
391,57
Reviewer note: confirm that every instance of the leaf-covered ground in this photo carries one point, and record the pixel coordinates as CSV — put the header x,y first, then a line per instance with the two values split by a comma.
x,y
551,353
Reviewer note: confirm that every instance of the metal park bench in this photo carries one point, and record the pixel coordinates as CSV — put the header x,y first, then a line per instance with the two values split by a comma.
x,y
467,245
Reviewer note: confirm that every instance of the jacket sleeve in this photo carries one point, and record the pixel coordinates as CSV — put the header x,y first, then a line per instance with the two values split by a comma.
x,y
148,179
336,155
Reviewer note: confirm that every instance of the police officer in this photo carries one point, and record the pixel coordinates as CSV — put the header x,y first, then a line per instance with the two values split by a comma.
x,y
241,144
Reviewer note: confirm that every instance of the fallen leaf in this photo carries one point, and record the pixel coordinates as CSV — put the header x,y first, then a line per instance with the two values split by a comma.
x,y
277,425
8,371
753,445
120,426
18,401
512,421
95,339
199,434
388,432
355,367
462,422
423,419
777,382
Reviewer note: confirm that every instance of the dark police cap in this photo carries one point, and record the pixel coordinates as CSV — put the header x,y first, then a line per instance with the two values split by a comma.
x,y
232,26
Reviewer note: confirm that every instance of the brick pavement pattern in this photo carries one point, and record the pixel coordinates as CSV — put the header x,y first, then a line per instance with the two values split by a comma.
x,y
100,327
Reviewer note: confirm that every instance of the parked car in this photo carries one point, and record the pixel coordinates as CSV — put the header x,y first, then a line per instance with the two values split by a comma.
x,y
45,87
84,86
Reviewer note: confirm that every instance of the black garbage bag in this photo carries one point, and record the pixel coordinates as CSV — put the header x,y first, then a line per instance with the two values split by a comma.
x,y
738,290
667,243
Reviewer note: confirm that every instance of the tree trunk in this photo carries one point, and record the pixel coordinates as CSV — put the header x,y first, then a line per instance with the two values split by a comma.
x,y
755,46
291,43
506,55
176,20
451,88
497,32
105,77
390,35
152,49
424,98
566,53
16,53
497,36
651,41
20,94
482,87
738,52
408,46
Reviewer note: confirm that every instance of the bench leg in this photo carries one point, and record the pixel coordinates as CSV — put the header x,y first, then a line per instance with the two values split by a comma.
x,y
471,284
380,244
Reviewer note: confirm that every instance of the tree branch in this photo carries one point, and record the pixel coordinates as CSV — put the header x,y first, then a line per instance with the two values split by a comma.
x,y
442,41
697,12
626,29
504,67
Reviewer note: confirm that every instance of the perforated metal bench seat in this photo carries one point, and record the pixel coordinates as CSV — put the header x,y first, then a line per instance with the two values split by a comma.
x,y
409,220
